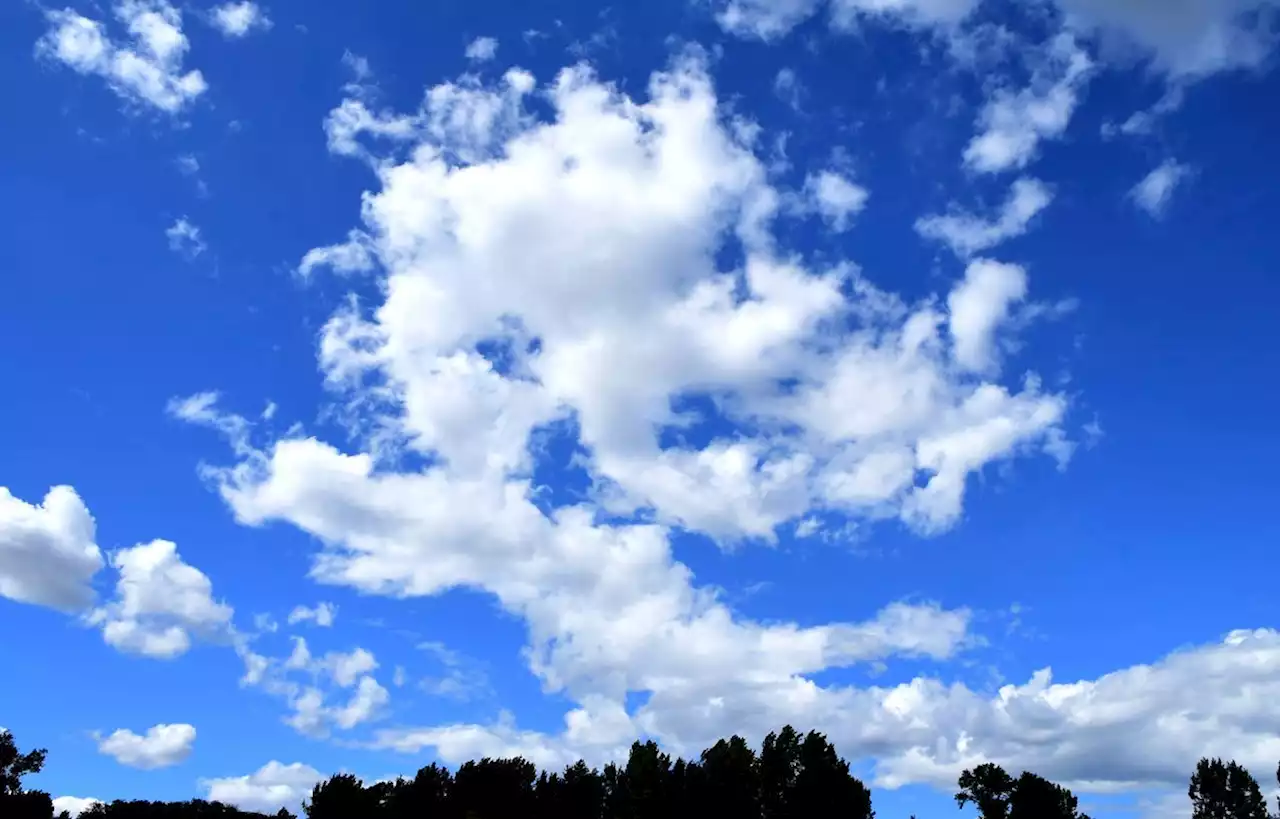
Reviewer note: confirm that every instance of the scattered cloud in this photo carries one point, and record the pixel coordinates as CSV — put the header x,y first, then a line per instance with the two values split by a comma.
x,y
184,239
161,747
1190,39
73,805
239,19
266,790
835,198
1154,193
967,234
322,615
482,49
160,603
788,88
147,70
1014,123
48,556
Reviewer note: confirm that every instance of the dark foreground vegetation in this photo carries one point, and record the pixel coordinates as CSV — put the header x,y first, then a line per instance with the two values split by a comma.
x,y
794,776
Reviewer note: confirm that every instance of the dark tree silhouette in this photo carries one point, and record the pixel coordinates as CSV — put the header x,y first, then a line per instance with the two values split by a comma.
x,y
779,767
999,796
1225,790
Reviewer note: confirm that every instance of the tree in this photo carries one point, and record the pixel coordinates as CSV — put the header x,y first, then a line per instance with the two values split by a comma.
x,y
732,779
779,766
1225,790
14,765
341,796
1035,797
989,787
824,787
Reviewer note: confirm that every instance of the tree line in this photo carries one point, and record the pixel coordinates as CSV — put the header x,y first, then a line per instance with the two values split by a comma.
x,y
794,776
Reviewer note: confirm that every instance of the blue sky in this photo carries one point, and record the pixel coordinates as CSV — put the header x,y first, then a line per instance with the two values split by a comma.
x,y
587,373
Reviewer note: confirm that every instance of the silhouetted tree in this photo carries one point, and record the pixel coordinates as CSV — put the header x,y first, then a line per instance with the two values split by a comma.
x,y
824,787
494,789
342,796
732,779
1225,790
989,787
779,767
999,796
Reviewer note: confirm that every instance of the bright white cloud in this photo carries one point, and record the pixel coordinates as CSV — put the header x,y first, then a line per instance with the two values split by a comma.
x,y
1156,189
979,306
482,49
160,603
73,805
161,746
1014,123
597,233
967,233
47,552
145,70
239,19
322,615
184,239
835,198
266,790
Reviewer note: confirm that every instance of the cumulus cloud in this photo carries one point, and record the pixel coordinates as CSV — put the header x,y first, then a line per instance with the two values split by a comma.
x,y
482,49
185,239
967,233
48,556
266,790
161,747
73,805
322,615
160,603
145,70
835,198
308,685
1014,123
1156,189
240,19
586,249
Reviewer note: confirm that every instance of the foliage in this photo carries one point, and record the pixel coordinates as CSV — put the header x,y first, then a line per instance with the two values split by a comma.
x,y
794,776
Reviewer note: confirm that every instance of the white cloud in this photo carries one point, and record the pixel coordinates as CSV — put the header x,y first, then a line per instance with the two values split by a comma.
x,y
967,234
146,70
836,198
597,233
273,786
238,19
768,19
788,88
73,805
322,615
352,256
184,239
160,603
979,306
482,49
1014,123
1189,38
47,552
1156,189
188,165
346,669
161,747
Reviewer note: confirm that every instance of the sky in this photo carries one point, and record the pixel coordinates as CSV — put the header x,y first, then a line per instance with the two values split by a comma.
x,y
396,382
